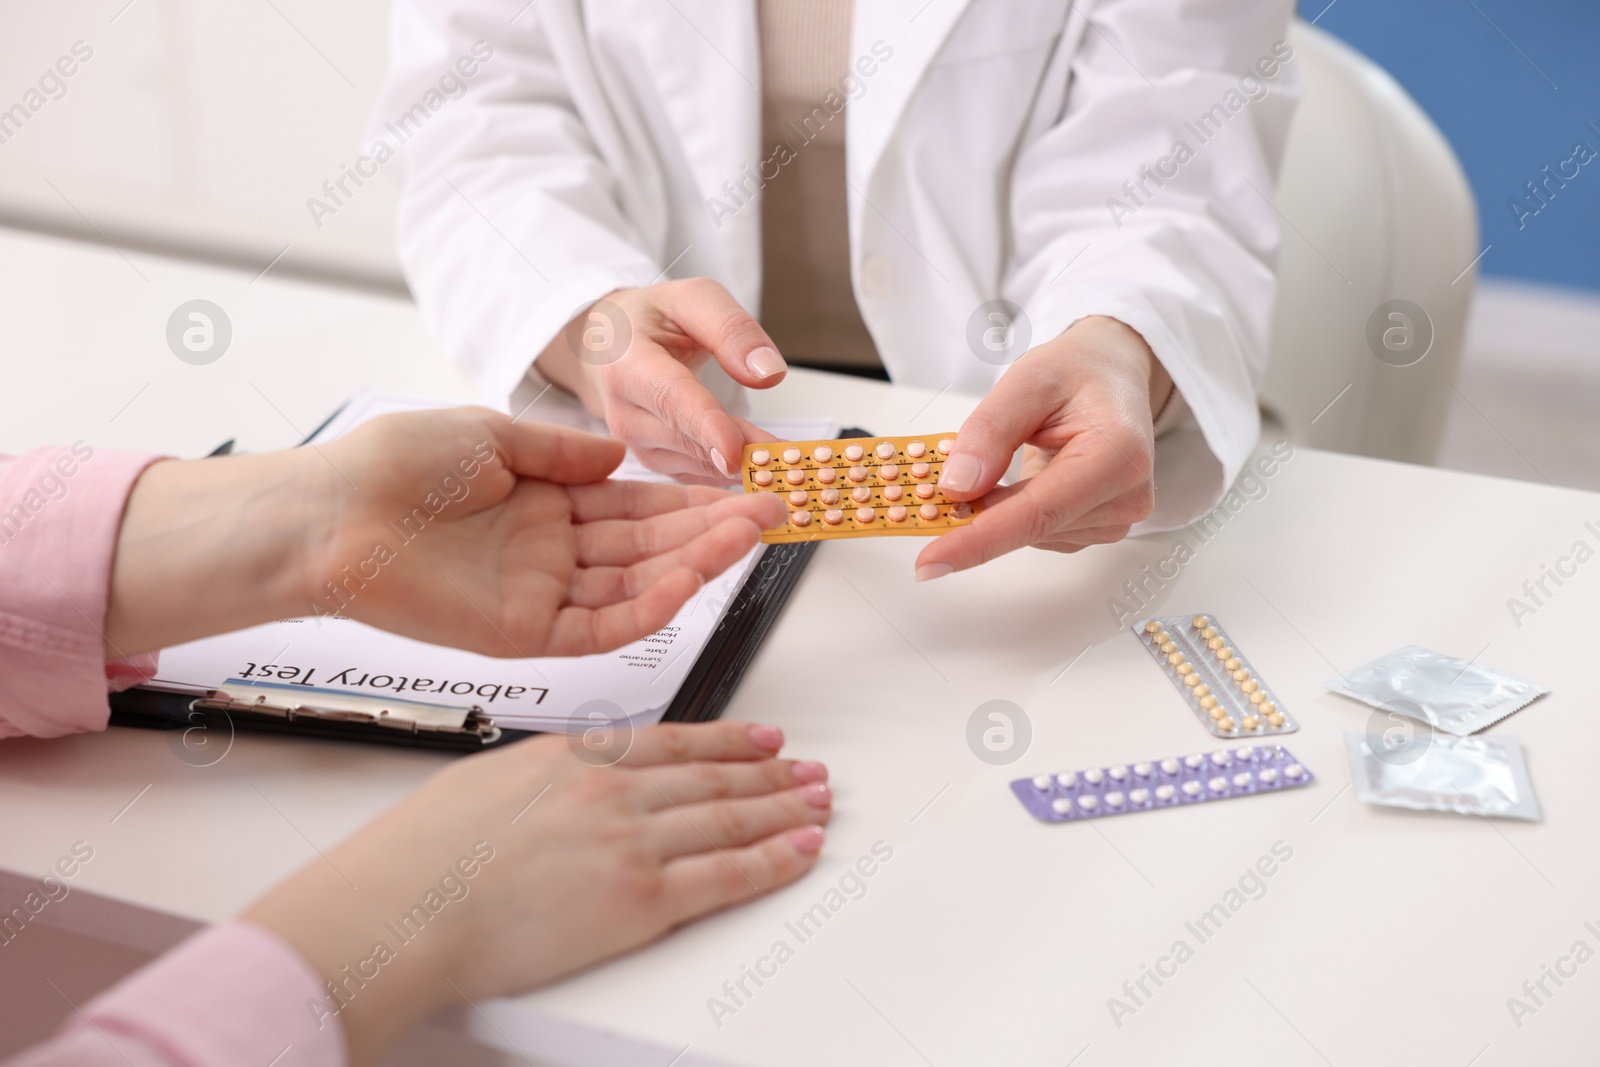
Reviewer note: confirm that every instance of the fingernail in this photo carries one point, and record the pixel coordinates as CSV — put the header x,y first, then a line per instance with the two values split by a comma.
x,y
960,473
817,794
807,840
721,464
810,771
764,362
928,572
767,737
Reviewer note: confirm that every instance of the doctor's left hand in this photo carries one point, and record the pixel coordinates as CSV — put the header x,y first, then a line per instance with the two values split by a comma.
x,y
1084,405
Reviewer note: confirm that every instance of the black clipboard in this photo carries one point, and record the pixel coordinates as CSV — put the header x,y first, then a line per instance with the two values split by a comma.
x,y
295,710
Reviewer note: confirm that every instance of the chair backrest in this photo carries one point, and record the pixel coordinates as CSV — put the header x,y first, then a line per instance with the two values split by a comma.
x,y
1377,211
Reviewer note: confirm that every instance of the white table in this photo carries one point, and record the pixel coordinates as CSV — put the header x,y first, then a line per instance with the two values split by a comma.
x,y
1389,938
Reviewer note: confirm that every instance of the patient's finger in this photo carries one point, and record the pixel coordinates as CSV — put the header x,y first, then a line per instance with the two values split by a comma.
x,y
709,555
619,542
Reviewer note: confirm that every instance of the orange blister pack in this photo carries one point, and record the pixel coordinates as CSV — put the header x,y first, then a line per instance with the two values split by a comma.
x,y
857,487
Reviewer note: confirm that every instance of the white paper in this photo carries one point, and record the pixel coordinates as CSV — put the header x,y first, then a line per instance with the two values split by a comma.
x,y
637,681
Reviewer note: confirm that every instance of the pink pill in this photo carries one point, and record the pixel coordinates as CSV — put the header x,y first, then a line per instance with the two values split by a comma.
x,y
858,474
885,450
928,511
791,456
853,453
916,450
761,457
762,477
888,472
798,498
920,470
822,453
897,514
946,445
796,476
861,494
826,475
925,491
833,516
891,493
829,497
865,514
800,518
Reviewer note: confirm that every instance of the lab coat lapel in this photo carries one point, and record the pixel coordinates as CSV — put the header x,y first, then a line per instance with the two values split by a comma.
x,y
916,30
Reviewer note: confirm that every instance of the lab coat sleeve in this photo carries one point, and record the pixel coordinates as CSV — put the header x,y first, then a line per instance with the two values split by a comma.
x,y
1188,102
509,221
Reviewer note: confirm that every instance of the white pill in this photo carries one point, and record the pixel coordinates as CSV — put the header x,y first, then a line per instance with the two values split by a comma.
x,y
822,453
1067,779
1164,792
1088,802
1169,766
1294,770
1193,762
761,457
1241,779
1041,781
799,498
762,477
885,450
796,476
946,445
1246,754
800,518
853,453
791,456
829,497
1268,775
916,450
861,494
833,516
1142,769
1191,789
1114,799
1061,805
1221,759
1141,796
896,513
1119,773
1218,784
1094,776
928,512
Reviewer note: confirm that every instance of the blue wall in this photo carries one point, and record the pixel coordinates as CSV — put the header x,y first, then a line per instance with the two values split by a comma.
x,y
1505,118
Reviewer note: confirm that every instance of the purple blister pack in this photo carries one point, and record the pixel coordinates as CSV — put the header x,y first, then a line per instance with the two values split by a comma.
x,y
1073,796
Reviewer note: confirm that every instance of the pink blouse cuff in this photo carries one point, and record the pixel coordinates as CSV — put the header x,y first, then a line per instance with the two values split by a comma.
x,y
60,510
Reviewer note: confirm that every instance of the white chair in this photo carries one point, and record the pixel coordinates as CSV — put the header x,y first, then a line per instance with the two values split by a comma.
x,y
1376,209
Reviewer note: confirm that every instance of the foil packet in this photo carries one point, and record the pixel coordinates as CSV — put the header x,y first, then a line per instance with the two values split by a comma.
x,y
1468,775
1448,694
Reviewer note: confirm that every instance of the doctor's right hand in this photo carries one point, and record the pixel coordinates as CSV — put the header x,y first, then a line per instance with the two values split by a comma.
x,y
648,394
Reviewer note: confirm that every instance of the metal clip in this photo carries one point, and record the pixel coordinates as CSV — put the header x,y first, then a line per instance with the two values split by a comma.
x,y
291,702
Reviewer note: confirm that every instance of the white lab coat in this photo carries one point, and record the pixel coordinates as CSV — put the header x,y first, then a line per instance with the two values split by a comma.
x,y
603,142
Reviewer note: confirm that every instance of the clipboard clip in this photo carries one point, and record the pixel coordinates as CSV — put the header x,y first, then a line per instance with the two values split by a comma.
x,y
295,704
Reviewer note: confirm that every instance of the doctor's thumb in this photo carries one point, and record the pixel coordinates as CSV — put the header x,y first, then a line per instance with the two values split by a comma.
x,y
1011,413
709,313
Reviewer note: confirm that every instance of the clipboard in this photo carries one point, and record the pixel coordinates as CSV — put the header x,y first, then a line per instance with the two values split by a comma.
x,y
261,707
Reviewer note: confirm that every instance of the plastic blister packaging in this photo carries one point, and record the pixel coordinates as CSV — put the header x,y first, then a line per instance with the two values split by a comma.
x,y
1220,685
1470,775
1448,694
857,487
1174,782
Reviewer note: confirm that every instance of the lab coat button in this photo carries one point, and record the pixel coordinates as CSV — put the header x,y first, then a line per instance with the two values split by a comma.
x,y
877,275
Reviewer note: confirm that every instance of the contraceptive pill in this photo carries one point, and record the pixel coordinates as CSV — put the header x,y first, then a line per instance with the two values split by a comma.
x,y
1223,690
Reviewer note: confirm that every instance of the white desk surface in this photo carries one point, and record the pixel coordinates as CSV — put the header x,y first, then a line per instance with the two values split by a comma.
x,y
1389,938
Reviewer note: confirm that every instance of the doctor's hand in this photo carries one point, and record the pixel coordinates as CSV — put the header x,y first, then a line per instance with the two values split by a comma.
x,y
648,394
1084,406
454,526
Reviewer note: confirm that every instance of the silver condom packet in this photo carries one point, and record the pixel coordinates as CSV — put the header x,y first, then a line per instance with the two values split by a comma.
x,y
1469,775
1448,694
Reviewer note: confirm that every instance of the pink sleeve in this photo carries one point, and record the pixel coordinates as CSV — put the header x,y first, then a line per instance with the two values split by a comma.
x,y
60,509
231,996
